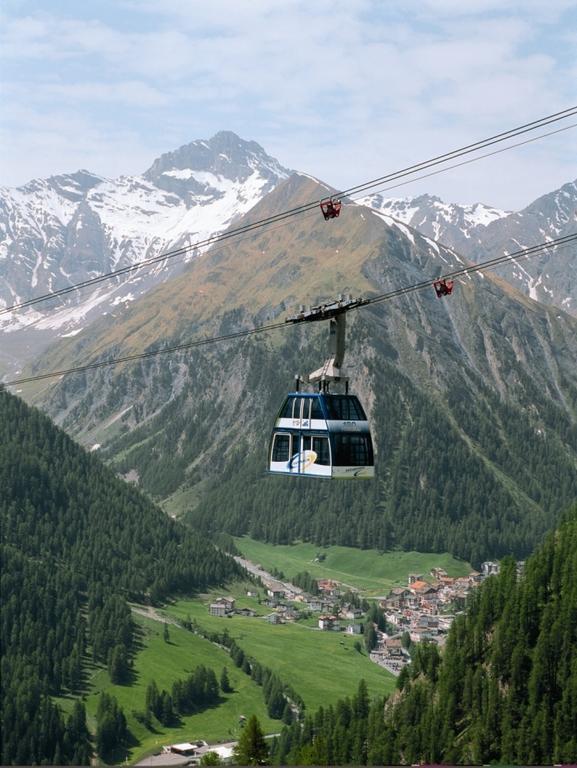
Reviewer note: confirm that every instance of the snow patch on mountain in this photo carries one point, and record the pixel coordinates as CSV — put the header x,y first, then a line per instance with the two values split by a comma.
x,y
66,229
425,209
481,232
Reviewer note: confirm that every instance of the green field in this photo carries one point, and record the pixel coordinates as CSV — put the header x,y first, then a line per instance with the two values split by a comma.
x,y
321,666
368,570
165,663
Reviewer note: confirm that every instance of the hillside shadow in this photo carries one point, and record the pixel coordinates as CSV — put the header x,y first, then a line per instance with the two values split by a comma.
x,y
121,753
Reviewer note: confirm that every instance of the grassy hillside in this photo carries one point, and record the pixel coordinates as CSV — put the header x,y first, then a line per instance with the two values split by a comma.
x,y
77,543
368,570
321,666
165,663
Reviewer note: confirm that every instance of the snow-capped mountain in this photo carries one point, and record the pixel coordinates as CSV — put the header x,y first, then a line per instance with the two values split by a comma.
x,y
432,217
550,277
476,385
480,232
59,231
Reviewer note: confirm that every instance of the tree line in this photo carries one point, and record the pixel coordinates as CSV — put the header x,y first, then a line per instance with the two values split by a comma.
x,y
193,694
468,498
282,701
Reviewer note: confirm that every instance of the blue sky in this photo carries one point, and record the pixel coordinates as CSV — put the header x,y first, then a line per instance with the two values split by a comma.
x,y
343,89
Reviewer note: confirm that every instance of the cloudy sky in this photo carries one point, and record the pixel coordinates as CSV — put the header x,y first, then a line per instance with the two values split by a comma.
x,y
344,89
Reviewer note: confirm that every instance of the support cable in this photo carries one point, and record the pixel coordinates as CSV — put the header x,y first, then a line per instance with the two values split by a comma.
x,y
490,264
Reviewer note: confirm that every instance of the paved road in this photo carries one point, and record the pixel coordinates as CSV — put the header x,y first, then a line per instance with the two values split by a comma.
x,y
165,758
267,578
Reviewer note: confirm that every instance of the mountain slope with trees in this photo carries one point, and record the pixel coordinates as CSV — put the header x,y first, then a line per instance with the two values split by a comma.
x,y
472,399
77,542
504,689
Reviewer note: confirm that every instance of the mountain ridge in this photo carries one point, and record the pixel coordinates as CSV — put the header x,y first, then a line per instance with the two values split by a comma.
x,y
69,228
480,232
487,376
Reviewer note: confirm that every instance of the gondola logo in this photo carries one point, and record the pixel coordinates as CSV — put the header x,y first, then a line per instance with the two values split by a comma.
x,y
302,461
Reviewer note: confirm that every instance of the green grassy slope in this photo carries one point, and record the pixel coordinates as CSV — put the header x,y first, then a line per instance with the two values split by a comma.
x,y
321,666
368,570
165,663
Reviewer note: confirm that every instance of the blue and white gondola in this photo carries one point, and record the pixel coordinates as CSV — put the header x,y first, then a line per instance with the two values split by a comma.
x,y
322,435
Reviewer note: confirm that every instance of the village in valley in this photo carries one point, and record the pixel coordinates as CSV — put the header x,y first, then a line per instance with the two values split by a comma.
x,y
421,610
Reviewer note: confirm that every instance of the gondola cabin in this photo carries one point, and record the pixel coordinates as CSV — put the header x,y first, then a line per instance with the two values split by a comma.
x,y
443,287
322,435
331,208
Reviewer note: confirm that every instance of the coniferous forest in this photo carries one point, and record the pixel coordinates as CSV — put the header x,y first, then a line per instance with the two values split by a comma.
x,y
469,472
503,690
77,543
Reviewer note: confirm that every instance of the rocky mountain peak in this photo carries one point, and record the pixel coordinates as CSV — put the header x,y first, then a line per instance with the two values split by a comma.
x,y
559,207
70,186
70,227
193,166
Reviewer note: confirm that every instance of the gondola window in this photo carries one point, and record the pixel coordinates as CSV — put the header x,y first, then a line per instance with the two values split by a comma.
x,y
281,447
353,451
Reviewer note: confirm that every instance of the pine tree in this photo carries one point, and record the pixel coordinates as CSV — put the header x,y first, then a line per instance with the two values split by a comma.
x,y
361,701
153,699
287,714
118,664
370,636
251,748
225,685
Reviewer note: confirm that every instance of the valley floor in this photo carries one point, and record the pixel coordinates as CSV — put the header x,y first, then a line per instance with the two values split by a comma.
x,y
371,572
321,666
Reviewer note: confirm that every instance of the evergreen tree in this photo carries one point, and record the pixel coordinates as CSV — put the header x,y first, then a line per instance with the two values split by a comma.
x,y
77,737
287,714
118,664
370,635
225,685
251,748
153,703
111,730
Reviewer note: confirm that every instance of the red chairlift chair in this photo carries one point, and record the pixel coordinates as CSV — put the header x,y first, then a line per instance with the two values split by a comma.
x,y
330,208
443,287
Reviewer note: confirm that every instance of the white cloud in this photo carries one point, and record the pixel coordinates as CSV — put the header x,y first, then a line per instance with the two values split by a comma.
x,y
337,88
